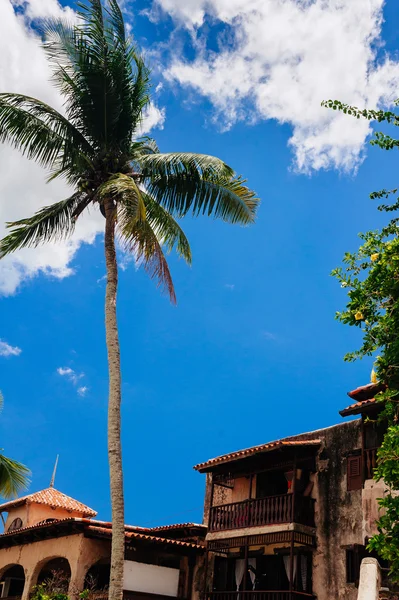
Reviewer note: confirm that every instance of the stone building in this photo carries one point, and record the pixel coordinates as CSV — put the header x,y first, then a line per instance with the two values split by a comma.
x,y
286,520
290,519
50,537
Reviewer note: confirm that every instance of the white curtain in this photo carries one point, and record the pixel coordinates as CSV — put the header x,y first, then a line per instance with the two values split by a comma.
x,y
304,571
252,563
287,566
239,571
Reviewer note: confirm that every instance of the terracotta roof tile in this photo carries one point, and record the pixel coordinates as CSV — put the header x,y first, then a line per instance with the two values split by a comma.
x,y
357,408
142,536
100,527
51,497
254,450
177,526
366,392
40,525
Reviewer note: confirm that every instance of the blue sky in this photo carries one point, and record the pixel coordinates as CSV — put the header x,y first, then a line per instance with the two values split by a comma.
x,y
252,351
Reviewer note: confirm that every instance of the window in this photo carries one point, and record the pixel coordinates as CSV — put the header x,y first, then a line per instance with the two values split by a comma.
x,y
350,567
16,524
354,472
354,557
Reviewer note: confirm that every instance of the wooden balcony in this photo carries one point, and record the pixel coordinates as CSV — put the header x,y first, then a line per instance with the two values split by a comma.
x,y
260,595
263,511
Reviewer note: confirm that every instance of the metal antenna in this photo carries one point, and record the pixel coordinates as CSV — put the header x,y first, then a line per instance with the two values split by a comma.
x,y
54,472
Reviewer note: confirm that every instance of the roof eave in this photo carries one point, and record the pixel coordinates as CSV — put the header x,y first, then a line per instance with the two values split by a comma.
x,y
214,463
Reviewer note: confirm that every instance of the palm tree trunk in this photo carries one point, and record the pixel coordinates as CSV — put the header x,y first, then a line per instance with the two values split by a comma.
x,y
114,409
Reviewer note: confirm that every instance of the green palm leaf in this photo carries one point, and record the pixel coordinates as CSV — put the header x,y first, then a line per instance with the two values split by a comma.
x,y
55,222
182,163
14,477
142,147
122,188
166,228
138,238
221,197
39,131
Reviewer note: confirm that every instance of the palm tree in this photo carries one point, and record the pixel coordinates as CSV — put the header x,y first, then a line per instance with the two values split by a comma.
x,y
13,474
140,191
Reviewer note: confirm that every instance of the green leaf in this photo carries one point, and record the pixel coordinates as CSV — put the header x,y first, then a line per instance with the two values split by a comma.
x,y
55,222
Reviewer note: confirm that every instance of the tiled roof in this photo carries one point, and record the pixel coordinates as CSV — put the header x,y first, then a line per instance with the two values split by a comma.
x,y
213,462
357,408
51,497
101,528
177,526
41,525
366,392
142,536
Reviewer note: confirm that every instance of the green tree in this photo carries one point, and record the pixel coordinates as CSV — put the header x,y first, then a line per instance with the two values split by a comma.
x,y
14,476
140,191
371,277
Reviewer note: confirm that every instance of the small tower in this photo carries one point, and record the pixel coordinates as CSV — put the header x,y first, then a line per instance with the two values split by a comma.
x,y
46,505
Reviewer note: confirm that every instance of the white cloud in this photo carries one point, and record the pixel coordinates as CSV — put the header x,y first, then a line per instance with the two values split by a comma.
x,y
70,374
230,286
23,190
153,118
7,350
268,335
82,391
278,59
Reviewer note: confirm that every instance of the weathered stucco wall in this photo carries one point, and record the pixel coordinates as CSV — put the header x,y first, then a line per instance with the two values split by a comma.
x,y
338,515
80,552
31,514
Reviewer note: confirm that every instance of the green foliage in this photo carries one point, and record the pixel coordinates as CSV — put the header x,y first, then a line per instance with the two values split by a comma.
x,y
96,147
44,592
371,278
14,476
48,591
385,543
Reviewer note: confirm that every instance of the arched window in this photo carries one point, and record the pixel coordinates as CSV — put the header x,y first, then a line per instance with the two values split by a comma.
x,y
12,582
15,524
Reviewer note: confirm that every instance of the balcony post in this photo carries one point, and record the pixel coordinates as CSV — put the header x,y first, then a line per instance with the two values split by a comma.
x,y
362,460
246,566
249,514
292,533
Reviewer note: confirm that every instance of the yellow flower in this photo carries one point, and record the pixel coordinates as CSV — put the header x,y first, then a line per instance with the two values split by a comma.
x,y
359,316
373,377
374,256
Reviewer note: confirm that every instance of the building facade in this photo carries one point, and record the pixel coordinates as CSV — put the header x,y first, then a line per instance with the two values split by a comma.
x,y
52,538
290,520
286,520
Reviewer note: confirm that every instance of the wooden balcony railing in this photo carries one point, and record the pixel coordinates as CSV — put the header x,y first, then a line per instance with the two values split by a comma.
x,y
260,595
370,462
263,511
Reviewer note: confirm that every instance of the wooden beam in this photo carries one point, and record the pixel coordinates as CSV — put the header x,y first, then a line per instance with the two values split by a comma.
x,y
292,533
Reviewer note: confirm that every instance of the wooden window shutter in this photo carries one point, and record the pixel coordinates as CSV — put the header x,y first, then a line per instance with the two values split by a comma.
x,y
354,473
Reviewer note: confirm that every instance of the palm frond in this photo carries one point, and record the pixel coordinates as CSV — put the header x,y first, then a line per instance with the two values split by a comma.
x,y
138,238
14,477
166,228
39,131
53,222
93,68
116,22
122,188
183,163
142,147
222,197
